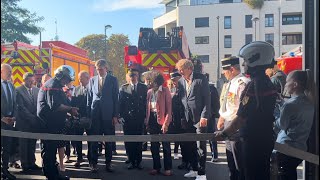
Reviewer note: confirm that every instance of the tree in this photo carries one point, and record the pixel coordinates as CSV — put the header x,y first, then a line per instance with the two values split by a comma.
x,y
254,4
94,44
17,22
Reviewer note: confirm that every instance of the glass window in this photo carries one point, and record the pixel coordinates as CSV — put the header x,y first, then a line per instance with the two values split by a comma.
x,y
248,21
161,32
202,22
202,40
203,58
269,21
288,39
227,55
248,38
227,41
292,19
269,38
227,22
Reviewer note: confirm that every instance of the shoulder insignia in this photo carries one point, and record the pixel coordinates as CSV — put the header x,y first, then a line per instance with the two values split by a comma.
x,y
240,81
245,100
125,84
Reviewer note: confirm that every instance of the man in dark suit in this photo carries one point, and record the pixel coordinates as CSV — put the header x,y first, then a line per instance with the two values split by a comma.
x,y
8,103
79,99
27,121
132,100
195,97
102,108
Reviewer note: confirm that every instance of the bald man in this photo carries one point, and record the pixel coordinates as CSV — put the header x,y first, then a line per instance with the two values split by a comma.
x,y
8,103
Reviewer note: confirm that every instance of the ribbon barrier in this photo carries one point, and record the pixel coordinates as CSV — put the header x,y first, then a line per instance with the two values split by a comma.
x,y
285,149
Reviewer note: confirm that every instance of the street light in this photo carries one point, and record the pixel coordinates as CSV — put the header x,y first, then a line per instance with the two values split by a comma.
x,y
105,38
94,55
218,63
255,19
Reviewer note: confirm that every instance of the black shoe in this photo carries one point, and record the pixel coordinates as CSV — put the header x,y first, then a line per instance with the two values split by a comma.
x,y
7,175
77,164
25,171
131,166
109,168
127,161
183,165
35,167
93,168
114,153
139,166
63,177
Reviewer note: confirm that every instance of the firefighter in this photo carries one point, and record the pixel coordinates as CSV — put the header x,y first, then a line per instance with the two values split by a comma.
x,y
52,109
255,114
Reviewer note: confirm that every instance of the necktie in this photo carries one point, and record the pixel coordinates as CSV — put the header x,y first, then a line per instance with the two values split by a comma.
x,y
225,96
134,88
30,93
101,84
9,98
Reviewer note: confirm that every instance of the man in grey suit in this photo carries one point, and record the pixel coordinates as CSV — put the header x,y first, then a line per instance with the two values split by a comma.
x,y
102,108
8,103
27,121
195,97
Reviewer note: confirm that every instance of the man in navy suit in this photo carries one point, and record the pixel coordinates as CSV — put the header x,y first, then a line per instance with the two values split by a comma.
x,y
195,97
102,108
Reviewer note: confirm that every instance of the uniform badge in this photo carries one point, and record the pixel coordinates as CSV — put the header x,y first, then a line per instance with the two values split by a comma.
x,y
245,100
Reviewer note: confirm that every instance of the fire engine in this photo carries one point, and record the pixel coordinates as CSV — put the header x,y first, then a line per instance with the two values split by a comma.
x,y
291,60
44,60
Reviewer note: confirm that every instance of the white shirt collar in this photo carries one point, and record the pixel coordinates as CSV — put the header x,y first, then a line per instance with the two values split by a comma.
x,y
235,78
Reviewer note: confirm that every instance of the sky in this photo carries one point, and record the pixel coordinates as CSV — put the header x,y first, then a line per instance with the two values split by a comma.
x,y
79,18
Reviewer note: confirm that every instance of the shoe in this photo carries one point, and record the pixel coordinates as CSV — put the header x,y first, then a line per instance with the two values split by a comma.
x,y
63,177
109,168
183,165
25,171
154,172
15,165
35,167
201,177
131,166
191,174
214,160
167,173
77,164
127,161
175,156
7,175
139,166
114,153
93,168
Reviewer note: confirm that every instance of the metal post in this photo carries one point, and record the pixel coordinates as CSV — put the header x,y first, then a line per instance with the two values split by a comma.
x,y
105,38
218,62
280,29
255,30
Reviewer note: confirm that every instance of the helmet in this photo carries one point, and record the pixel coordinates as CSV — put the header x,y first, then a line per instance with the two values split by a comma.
x,y
64,71
257,53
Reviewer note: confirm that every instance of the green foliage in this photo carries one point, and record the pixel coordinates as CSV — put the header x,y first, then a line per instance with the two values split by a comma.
x,y
94,44
254,4
17,22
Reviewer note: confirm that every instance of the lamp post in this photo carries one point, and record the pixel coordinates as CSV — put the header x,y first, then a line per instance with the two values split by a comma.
x,y
255,19
94,55
105,38
218,62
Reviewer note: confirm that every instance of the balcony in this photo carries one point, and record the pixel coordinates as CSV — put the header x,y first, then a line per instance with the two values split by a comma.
x,y
165,19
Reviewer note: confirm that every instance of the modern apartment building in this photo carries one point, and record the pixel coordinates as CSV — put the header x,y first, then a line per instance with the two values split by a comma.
x,y
235,23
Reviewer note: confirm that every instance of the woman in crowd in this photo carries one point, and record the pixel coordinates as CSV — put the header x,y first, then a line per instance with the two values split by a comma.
x,y
295,122
158,118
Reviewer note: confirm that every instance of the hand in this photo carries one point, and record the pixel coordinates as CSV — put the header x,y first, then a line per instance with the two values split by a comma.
x,y
220,124
114,121
218,136
74,111
6,120
203,122
164,128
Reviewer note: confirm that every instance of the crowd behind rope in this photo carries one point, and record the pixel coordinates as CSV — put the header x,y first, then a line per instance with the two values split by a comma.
x,y
256,108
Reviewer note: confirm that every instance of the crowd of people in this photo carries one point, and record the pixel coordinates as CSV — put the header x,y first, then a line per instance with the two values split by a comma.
x,y
248,111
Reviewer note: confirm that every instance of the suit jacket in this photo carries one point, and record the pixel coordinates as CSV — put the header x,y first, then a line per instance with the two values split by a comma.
x,y
79,99
27,109
133,105
104,107
197,103
4,104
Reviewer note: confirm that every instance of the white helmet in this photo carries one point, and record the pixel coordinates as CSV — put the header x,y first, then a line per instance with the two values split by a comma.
x,y
257,53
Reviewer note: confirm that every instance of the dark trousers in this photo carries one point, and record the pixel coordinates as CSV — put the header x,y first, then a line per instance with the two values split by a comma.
x,y
287,166
133,149
213,144
27,149
77,145
256,153
155,128
6,144
196,152
48,154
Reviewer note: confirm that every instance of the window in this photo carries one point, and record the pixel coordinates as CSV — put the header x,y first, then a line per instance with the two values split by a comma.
x,y
248,21
227,41
225,1
269,38
161,32
202,40
269,20
248,38
203,58
227,55
291,19
202,22
288,39
227,22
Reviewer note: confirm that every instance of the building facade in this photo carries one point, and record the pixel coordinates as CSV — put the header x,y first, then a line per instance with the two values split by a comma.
x,y
235,23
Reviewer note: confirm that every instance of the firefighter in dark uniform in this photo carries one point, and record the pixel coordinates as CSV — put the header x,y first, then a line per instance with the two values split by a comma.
x,y
133,102
52,109
255,114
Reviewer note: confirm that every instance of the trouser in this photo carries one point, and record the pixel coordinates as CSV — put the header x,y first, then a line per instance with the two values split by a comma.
x,y
213,144
196,152
6,144
77,145
145,144
133,149
48,154
286,166
27,149
155,128
256,153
